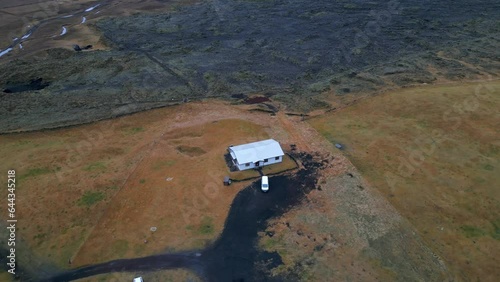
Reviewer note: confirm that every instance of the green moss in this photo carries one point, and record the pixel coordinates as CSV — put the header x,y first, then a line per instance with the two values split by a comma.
x,y
95,166
112,187
472,231
488,167
90,198
133,130
191,151
270,243
120,247
33,172
206,227
23,142
496,230
209,76
40,236
163,164
319,86
139,249
247,75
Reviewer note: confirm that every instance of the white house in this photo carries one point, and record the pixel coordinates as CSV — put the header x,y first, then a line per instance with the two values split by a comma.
x,y
256,154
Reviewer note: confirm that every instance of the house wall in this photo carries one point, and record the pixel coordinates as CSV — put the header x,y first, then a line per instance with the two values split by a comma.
x,y
261,163
243,167
274,161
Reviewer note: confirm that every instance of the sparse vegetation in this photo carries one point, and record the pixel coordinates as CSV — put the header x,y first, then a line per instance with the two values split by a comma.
x,y
90,198
422,160
133,130
34,172
97,166
206,227
120,247
496,230
472,231
163,164
112,187
191,151
269,243
488,167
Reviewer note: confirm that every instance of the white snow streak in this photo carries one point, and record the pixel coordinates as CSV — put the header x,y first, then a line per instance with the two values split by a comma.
x,y
5,51
92,8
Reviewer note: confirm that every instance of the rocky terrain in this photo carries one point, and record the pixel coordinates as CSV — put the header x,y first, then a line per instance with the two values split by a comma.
x,y
293,50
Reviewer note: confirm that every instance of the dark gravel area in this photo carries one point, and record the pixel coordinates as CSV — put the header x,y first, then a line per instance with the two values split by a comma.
x,y
294,48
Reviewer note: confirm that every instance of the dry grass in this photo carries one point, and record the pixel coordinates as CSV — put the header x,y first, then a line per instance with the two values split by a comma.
x,y
91,193
177,187
433,152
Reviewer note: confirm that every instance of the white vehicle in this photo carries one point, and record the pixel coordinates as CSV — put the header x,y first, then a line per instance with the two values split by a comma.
x,y
264,186
138,279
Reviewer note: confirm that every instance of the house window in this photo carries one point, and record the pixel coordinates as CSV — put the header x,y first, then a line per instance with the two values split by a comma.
x,y
277,158
265,160
247,164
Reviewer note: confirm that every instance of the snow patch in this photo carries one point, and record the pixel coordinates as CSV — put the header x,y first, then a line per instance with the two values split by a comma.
x,y
84,19
26,36
64,31
5,51
92,8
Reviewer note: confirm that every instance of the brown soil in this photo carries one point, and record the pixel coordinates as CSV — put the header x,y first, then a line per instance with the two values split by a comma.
x,y
106,184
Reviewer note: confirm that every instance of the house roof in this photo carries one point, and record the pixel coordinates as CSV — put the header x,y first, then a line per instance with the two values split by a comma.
x,y
256,151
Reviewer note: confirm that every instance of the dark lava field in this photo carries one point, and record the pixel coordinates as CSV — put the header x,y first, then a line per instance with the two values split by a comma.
x,y
292,50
